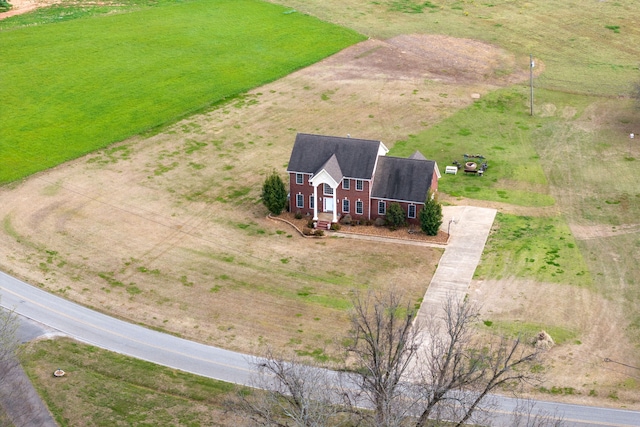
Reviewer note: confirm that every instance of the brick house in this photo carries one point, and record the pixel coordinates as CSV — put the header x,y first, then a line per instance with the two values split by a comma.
x,y
356,177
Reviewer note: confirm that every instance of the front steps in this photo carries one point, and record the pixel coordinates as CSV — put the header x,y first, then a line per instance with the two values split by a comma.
x,y
323,225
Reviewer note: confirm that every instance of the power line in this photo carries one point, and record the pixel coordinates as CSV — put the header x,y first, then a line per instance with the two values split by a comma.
x,y
606,359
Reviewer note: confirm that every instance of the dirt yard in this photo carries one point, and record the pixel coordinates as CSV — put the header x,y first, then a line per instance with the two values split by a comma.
x,y
24,6
167,230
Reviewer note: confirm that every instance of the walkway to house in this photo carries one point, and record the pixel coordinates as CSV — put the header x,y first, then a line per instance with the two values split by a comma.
x,y
470,227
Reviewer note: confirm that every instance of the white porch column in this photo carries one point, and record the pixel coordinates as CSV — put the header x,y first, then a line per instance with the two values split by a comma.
x,y
315,202
335,204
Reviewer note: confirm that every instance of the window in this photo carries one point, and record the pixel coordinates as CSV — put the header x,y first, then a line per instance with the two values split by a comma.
x,y
345,206
346,184
299,200
359,185
411,213
299,179
311,202
382,208
328,190
359,207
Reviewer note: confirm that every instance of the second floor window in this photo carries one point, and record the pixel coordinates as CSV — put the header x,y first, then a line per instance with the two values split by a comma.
x,y
328,190
346,183
299,179
359,184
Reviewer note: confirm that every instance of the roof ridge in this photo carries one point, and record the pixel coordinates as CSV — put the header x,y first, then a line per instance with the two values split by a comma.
x,y
347,138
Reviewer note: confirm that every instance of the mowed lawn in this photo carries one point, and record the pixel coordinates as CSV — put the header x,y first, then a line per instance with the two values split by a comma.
x,y
498,129
72,87
101,388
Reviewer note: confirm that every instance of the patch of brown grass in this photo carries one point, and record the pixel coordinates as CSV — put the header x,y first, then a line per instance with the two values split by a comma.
x,y
173,235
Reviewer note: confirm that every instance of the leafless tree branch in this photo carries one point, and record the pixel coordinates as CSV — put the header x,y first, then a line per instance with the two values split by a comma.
x,y
526,415
296,394
384,341
400,372
457,373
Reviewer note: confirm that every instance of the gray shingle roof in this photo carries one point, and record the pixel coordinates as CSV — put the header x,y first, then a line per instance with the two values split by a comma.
x,y
356,157
403,179
417,155
333,169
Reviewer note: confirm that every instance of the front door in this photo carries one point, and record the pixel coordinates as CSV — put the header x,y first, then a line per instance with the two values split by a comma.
x,y
328,204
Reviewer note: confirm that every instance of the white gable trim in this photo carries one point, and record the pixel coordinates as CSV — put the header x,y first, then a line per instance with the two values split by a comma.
x,y
435,167
382,149
323,177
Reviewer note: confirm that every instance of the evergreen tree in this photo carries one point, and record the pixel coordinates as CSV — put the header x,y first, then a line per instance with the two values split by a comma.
x,y
274,194
395,215
431,215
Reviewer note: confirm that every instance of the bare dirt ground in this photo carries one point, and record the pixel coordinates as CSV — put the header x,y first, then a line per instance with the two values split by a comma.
x,y
584,232
167,230
24,6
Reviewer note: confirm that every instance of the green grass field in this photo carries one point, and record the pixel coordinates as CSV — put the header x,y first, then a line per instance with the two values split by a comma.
x,y
498,128
102,388
72,87
524,329
542,248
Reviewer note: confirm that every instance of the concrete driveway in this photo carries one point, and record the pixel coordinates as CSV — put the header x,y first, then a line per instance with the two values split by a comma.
x,y
469,228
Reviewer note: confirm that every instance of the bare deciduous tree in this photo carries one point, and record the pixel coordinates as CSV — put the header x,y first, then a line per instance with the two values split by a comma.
x,y
456,373
526,415
296,394
403,373
21,403
8,341
8,363
383,341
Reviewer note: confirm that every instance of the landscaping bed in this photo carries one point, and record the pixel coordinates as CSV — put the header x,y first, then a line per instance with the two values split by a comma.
x,y
403,233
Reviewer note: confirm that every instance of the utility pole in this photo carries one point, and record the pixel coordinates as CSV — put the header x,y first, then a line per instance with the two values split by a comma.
x,y
531,65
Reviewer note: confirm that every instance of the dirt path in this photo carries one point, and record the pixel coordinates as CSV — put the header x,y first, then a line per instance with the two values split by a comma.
x,y
586,232
23,6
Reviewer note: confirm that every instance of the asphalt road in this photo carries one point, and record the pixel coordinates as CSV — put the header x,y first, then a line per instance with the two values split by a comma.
x,y
103,331
107,332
